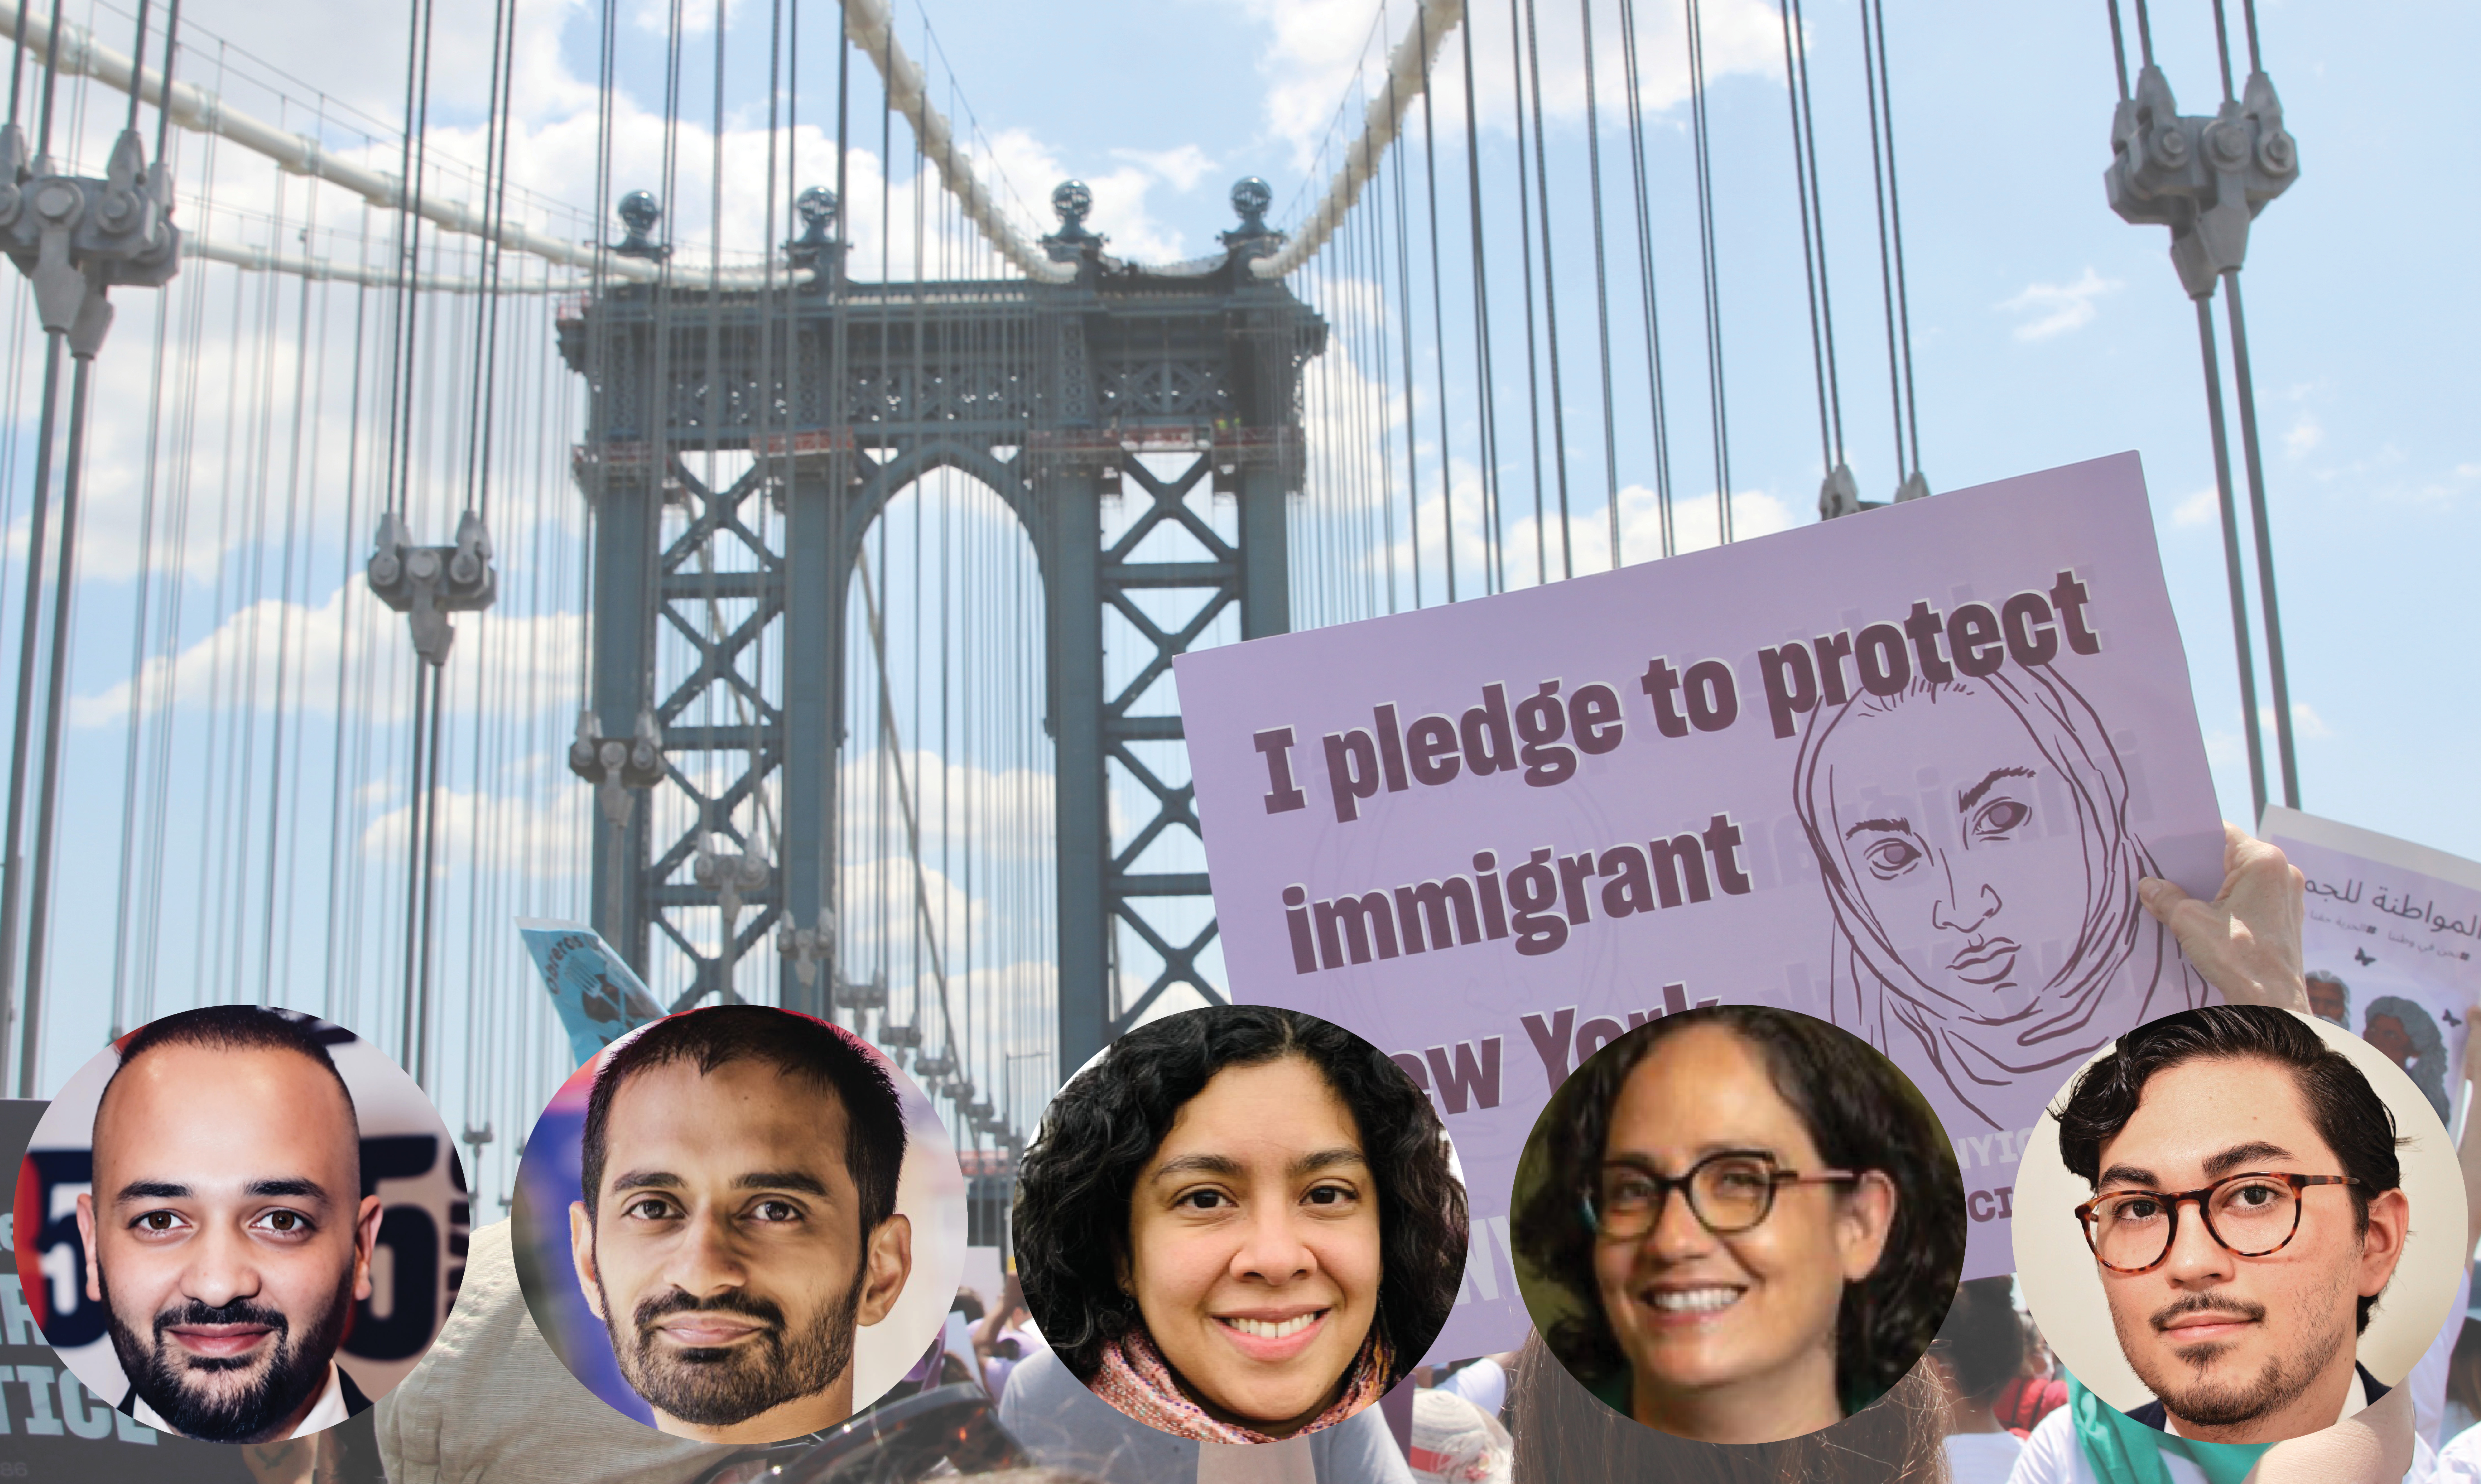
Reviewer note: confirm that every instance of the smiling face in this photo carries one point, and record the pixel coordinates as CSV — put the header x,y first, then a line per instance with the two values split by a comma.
x,y
1254,1245
1731,1338
726,1255
227,1235
2243,1349
1972,882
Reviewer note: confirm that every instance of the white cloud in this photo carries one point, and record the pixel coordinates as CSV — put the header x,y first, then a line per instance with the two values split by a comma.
x,y
1328,59
2201,508
994,811
2056,308
1183,166
2303,437
237,663
508,834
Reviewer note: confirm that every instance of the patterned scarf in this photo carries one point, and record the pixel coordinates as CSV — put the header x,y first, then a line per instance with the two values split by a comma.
x,y
1136,1379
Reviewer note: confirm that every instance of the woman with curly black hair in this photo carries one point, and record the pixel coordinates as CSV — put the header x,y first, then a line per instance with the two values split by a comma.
x,y
1738,1224
1240,1225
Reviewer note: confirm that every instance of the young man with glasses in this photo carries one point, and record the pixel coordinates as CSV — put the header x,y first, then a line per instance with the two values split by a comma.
x,y
2247,1214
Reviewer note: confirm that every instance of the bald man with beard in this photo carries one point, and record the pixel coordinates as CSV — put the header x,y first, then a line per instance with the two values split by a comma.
x,y
225,1234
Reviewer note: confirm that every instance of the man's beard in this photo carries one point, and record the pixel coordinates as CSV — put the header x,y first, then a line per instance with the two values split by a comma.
x,y
215,1397
725,1386
2228,1401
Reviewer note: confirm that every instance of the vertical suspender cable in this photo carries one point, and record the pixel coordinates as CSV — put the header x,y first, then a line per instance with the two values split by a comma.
x,y
1706,248
1895,228
1808,240
836,414
1497,569
1404,324
1525,238
2243,384
275,772
1641,192
1550,296
15,862
400,415
1805,148
1886,254
1438,325
1376,239
29,1046
21,738
129,779
1601,282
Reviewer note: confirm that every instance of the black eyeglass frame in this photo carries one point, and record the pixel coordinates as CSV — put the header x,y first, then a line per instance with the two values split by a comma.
x,y
2173,1200
1686,1184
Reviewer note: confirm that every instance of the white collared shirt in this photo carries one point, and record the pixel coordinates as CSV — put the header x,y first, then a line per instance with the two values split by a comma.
x,y
329,1412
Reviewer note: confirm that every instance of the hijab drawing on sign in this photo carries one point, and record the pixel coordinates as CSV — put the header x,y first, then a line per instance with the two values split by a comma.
x,y
1973,840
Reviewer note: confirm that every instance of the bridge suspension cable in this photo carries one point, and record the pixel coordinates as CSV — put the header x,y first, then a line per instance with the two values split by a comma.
x,y
870,27
202,112
1407,80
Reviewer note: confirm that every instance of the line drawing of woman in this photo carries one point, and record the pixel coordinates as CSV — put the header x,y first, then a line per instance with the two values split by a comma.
x,y
2409,1035
1973,842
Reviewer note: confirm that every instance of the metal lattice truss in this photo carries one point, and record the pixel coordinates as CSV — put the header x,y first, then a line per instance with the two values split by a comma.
x,y
1213,586
720,592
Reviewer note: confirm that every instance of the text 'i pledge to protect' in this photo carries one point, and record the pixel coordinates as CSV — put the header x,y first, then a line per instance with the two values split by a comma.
x,y
1541,737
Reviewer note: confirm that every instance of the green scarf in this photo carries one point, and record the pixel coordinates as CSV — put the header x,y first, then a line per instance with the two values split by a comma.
x,y
2124,1450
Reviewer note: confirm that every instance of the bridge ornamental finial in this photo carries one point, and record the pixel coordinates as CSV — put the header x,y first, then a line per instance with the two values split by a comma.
x,y
1072,200
1253,238
639,211
1250,198
816,206
816,209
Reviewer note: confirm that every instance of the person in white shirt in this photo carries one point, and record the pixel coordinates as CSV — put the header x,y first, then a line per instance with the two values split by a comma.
x,y
1978,1350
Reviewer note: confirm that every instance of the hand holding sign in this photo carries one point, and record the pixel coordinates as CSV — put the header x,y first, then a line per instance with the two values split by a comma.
x,y
2246,941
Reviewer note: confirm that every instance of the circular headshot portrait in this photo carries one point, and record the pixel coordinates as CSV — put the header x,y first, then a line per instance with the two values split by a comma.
x,y
246,1224
1737,1224
1239,1224
2239,1224
740,1224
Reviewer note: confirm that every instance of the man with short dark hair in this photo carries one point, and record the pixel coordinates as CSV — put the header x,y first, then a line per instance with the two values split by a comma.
x,y
226,1234
738,1220
2247,1213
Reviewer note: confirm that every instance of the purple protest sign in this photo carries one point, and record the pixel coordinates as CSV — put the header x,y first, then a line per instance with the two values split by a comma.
x,y
2393,944
1491,836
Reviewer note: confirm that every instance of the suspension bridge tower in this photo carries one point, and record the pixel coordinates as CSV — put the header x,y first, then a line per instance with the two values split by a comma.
x,y
1053,395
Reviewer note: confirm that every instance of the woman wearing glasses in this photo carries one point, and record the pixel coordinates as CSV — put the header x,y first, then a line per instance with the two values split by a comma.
x,y
1738,1224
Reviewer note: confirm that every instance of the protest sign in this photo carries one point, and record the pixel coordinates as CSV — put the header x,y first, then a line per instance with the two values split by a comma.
x,y
2390,942
1901,771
